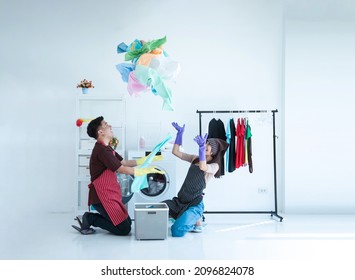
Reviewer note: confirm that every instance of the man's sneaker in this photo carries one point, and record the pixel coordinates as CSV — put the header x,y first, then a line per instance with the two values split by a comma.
x,y
84,226
84,231
84,222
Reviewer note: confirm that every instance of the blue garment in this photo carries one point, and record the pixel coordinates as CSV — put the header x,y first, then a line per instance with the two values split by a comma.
x,y
122,48
125,69
140,182
186,222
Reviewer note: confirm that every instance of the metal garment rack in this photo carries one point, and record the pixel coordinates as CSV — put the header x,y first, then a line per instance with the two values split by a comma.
x,y
272,212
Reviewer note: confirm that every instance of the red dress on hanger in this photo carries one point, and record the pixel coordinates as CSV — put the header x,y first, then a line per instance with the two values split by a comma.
x,y
240,150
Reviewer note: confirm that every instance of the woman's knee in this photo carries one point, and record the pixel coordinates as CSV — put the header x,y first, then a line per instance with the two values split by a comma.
x,y
176,231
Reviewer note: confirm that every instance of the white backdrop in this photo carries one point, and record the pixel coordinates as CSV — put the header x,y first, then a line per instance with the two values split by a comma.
x,y
231,58
231,54
319,98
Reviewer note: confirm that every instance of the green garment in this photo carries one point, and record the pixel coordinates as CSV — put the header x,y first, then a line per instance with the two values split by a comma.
x,y
147,47
248,132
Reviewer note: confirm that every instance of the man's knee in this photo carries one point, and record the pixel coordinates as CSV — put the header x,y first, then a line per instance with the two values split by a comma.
x,y
124,229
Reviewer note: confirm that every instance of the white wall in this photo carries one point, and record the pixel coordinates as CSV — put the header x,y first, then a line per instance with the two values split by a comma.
x,y
319,99
231,58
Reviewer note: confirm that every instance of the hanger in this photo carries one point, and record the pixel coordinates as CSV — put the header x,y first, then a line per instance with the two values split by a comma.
x,y
215,112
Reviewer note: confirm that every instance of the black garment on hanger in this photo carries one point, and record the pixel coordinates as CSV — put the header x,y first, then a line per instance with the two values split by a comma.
x,y
216,130
231,158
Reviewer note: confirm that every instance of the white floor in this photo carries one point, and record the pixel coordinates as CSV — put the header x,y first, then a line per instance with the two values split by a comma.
x,y
226,237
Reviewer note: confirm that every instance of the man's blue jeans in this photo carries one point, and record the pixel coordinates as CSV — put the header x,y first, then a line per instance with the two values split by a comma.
x,y
187,220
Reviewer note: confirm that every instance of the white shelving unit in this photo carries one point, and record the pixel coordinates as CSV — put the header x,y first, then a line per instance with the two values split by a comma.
x,y
88,107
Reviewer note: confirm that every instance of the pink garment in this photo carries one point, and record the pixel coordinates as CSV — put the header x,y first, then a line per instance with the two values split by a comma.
x,y
134,87
240,150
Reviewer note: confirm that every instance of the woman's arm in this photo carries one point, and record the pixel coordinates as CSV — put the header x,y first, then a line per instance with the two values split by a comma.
x,y
176,151
203,165
201,142
178,140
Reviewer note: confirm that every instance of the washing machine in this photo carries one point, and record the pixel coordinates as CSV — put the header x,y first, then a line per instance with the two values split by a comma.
x,y
160,186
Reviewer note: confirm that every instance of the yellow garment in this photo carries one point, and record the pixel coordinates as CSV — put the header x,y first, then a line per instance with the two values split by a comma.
x,y
145,58
147,170
141,160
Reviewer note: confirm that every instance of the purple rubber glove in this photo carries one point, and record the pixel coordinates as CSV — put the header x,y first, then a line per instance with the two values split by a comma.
x,y
201,141
180,131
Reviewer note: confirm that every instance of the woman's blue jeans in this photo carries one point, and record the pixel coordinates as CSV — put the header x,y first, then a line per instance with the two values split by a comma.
x,y
187,220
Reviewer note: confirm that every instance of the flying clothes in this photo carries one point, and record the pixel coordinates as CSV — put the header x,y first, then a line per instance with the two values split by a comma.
x,y
149,77
150,69
140,182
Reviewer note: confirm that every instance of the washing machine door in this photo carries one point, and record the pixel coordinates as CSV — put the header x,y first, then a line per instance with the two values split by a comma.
x,y
158,184
125,183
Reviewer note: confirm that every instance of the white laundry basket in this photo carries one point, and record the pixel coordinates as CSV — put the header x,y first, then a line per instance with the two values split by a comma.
x,y
151,220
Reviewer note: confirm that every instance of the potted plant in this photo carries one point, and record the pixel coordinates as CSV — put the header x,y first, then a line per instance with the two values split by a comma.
x,y
85,85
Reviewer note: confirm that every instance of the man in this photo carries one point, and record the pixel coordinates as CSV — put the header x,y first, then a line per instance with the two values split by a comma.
x,y
105,194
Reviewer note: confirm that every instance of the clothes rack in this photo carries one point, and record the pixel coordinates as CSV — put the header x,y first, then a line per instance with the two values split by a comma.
x,y
272,212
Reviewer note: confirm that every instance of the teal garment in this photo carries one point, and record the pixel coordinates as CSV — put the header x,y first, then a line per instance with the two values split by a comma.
x,y
140,182
146,48
149,77
134,46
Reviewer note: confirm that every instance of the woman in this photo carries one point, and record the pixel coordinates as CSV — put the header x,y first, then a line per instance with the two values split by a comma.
x,y
187,208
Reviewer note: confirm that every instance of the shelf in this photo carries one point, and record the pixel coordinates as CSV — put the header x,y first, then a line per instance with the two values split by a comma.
x,y
100,98
90,106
